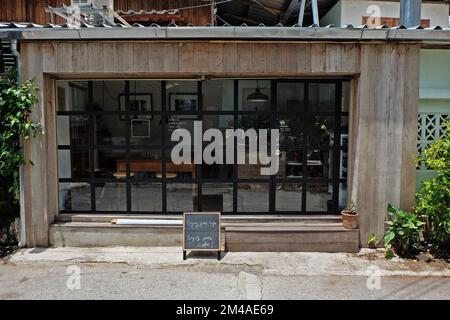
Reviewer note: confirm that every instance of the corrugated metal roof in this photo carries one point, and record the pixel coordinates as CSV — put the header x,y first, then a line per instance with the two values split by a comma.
x,y
119,31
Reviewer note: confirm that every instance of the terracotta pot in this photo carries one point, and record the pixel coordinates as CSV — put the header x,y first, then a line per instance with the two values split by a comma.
x,y
350,219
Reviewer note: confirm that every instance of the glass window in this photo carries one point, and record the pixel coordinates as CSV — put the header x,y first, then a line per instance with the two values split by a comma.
x,y
111,196
72,130
74,196
291,97
254,95
146,197
217,197
253,197
72,96
180,196
289,197
218,95
322,97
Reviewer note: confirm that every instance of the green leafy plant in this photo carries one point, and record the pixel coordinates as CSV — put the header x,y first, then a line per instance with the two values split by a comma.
x,y
16,101
372,240
403,232
433,197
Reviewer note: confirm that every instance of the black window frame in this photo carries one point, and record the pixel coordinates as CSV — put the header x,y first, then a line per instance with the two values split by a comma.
x,y
198,181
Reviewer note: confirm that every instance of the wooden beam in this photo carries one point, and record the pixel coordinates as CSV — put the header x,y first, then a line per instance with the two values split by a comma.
x,y
290,9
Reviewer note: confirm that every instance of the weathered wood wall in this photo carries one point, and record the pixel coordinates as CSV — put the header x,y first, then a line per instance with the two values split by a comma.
x,y
383,115
33,10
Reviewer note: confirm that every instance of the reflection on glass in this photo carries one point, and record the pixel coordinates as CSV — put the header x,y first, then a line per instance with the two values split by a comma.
x,y
253,197
289,197
146,197
320,131
291,164
73,164
319,196
111,196
180,197
72,130
217,197
110,129
322,97
218,95
74,196
290,97
145,163
319,163
145,130
182,96
110,163
291,131
248,89
72,95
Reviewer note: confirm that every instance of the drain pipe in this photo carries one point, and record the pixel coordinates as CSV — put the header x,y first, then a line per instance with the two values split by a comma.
x,y
22,233
410,13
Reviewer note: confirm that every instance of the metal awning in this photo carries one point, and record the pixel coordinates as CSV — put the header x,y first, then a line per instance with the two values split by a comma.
x,y
155,32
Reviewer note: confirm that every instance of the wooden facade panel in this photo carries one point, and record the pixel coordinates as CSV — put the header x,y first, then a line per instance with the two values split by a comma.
x,y
273,58
125,52
201,62
65,59
410,115
186,57
259,57
303,58
156,57
215,57
79,57
386,123
95,57
230,57
318,57
171,57
288,58
244,53
110,58
140,58
50,56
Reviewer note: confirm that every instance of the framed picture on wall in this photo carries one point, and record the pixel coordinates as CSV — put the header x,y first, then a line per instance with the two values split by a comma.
x,y
137,102
183,102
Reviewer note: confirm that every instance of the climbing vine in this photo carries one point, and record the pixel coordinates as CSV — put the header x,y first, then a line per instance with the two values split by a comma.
x,y
16,101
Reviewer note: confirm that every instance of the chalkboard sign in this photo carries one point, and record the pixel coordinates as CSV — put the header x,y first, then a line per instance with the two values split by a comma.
x,y
201,231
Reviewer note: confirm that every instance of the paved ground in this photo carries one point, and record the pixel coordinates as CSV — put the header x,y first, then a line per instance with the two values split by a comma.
x,y
160,273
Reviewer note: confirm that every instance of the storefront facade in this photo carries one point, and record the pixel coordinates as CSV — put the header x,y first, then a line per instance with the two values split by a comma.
x,y
346,110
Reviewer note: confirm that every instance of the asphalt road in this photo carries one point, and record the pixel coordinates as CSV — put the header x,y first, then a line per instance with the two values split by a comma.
x,y
122,281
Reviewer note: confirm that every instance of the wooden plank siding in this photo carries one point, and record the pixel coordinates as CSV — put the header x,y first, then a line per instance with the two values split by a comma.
x,y
34,10
384,133
383,115
199,58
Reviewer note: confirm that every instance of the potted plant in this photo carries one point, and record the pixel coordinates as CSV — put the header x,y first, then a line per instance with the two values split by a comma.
x,y
350,217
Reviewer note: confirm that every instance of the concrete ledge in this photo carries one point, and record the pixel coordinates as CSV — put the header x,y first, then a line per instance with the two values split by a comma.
x,y
292,239
95,235
305,234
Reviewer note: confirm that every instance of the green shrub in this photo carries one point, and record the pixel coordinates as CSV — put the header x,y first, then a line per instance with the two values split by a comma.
x,y
16,101
403,232
433,197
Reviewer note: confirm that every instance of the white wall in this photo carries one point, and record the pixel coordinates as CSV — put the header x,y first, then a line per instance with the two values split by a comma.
x,y
352,12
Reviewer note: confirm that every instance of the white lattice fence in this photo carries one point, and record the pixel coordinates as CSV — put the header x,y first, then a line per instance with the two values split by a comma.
x,y
431,128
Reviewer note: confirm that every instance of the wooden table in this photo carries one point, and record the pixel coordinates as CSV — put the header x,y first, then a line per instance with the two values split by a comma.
x,y
153,166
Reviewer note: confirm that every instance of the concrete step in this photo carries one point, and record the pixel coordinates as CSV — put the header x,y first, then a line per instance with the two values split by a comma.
x,y
313,234
292,238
